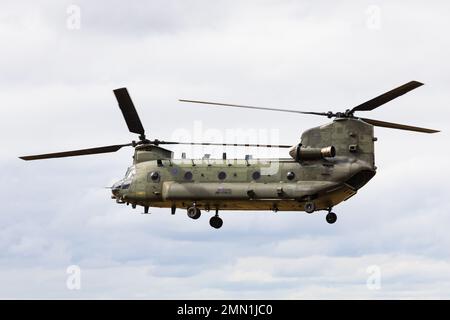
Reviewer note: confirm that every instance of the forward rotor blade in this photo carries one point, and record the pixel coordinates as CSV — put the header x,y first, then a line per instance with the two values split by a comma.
x,y
74,153
252,107
392,125
227,144
386,97
129,111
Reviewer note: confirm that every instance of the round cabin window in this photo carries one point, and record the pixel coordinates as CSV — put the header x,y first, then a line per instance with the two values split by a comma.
x,y
222,175
154,176
256,175
188,176
290,175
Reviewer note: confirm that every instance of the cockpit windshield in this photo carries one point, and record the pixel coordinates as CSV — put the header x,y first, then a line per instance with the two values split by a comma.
x,y
131,171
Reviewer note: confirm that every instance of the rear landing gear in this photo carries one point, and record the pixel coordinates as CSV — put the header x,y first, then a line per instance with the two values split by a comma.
x,y
216,222
331,217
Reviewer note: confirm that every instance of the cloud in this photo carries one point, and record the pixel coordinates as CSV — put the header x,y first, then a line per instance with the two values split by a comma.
x,y
56,95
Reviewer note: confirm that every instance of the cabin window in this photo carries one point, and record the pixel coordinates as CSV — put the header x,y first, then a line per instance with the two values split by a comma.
x,y
222,175
256,175
153,176
188,176
290,175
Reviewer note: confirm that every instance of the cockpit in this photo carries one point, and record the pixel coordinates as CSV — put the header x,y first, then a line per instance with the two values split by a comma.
x,y
125,183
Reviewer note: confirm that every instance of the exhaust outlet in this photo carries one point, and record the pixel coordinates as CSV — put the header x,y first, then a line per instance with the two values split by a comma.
x,y
300,153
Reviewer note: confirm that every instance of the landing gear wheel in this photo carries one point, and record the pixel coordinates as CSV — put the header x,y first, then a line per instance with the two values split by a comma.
x,y
331,217
310,207
193,213
216,222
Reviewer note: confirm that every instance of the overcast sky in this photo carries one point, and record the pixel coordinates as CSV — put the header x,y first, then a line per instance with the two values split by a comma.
x,y
57,73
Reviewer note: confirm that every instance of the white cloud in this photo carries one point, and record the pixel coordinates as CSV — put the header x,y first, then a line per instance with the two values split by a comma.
x,y
56,94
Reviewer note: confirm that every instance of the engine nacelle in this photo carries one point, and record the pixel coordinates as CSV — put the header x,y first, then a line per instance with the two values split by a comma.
x,y
300,153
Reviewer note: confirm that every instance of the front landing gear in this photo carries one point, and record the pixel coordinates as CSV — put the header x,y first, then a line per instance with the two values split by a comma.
x,y
331,217
216,222
310,207
193,212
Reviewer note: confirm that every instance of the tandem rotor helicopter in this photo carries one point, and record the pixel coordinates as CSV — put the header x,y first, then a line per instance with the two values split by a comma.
x,y
329,165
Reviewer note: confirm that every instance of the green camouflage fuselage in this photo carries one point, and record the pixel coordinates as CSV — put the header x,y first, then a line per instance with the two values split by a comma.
x,y
158,180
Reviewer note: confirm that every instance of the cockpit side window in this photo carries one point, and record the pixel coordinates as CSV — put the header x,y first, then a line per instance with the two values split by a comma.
x,y
130,172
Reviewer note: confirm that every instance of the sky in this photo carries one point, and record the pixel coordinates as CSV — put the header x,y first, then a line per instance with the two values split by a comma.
x,y
61,236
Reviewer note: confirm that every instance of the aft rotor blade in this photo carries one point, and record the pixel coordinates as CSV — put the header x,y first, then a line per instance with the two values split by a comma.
x,y
253,107
386,97
129,111
73,153
226,144
392,125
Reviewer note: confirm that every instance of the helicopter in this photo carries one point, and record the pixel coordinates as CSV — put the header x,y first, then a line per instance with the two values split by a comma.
x,y
327,166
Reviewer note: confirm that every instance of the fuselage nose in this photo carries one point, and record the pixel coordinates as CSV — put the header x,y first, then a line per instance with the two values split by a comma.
x,y
115,189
